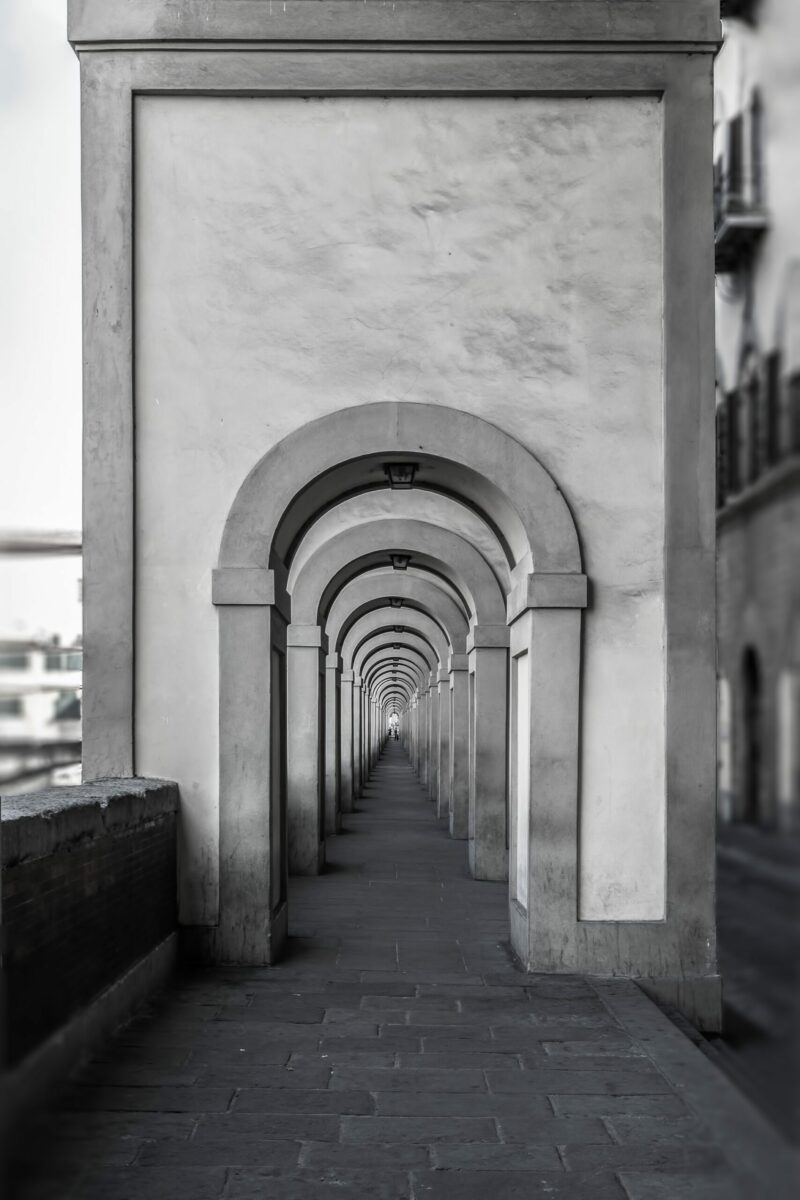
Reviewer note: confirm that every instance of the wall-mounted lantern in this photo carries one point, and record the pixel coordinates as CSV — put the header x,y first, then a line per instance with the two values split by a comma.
x,y
400,474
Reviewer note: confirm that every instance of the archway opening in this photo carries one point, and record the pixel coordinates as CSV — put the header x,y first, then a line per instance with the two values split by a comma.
x,y
469,551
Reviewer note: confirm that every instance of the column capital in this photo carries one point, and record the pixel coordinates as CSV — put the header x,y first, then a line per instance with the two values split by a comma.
x,y
487,636
347,677
332,662
457,662
548,590
356,680
443,677
306,635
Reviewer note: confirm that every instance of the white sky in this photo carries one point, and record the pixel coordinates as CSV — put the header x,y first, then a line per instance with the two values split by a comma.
x,y
40,298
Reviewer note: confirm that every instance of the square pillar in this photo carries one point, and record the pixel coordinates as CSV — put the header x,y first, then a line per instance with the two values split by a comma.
x,y
346,765
433,738
305,664
543,767
487,653
458,798
423,736
358,717
252,770
442,796
333,815
413,731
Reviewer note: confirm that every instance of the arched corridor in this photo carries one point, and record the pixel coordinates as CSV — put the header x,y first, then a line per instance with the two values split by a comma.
x,y
397,894
394,559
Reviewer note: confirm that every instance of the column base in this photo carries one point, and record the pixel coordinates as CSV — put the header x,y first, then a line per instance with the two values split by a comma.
x,y
216,945
312,863
485,863
698,997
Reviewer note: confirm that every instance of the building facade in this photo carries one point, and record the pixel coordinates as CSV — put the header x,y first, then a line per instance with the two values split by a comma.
x,y
757,189
40,714
399,401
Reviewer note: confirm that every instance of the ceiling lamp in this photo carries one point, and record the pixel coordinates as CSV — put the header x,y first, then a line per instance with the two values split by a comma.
x,y
398,628
400,561
400,475
397,602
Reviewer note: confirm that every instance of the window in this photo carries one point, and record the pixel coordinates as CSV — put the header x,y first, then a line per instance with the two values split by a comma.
x,y
722,454
734,478
772,407
793,412
14,660
753,389
10,706
751,420
734,182
756,149
67,706
63,660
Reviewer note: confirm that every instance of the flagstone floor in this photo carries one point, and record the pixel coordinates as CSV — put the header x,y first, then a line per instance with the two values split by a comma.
x,y
398,1052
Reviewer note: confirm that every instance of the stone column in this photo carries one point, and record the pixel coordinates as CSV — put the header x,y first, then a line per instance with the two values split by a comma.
x,y
374,739
365,734
346,769
413,715
459,746
358,714
433,738
252,801
333,817
487,653
423,736
442,796
305,665
543,771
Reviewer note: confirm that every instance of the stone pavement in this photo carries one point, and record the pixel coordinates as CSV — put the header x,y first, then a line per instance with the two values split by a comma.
x,y
758,930
398,1052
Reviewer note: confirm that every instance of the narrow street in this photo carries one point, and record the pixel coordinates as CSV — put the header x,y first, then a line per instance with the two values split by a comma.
x,y
758,909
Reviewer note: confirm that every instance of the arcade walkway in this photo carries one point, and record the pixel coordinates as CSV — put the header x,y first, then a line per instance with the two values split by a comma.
x,y
396,1053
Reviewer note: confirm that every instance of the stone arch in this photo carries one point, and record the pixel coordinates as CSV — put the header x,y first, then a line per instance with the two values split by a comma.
x,y
404,642
400,647
299,477
340,766
381,620
443,510
346,453
368,545
379,589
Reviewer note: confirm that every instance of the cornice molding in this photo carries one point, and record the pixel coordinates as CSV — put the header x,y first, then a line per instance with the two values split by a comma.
x,y
108,24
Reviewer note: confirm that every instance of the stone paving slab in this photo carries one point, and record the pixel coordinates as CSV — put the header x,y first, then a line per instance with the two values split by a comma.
x,y
398,1054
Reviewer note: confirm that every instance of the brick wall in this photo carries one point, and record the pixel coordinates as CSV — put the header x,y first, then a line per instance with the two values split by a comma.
x,y
89,887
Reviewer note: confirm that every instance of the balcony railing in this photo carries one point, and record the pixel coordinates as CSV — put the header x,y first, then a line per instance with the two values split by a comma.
x,y
740,217
738,227
745,10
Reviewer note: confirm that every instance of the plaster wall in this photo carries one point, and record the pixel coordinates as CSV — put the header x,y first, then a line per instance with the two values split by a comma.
x,y
500,255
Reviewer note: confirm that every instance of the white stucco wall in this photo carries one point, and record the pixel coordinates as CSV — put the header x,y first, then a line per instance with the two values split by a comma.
x,y
294,257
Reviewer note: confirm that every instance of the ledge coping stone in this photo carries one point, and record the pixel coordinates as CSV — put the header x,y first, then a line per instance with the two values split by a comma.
x,y
38,824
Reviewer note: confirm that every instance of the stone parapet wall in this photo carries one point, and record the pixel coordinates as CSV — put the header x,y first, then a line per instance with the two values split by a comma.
x,y
89,887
